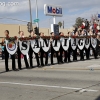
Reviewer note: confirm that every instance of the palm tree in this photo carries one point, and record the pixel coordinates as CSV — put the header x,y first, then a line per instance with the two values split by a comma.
x,y
60,24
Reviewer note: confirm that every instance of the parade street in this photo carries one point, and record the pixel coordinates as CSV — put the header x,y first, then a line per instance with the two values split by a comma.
x,y
71,81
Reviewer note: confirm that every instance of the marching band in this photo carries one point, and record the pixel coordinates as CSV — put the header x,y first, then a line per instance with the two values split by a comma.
x,y
72,42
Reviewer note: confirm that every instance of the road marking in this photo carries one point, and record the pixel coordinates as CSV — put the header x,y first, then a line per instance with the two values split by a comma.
x,y
93,66
48,86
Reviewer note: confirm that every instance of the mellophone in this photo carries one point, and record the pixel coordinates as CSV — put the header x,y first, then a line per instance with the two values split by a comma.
x,y
44,42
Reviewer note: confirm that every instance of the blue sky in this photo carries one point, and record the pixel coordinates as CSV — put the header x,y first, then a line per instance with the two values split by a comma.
x,y
71,10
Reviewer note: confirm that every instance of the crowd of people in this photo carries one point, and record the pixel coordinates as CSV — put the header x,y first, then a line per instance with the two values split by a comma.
x,y
62,56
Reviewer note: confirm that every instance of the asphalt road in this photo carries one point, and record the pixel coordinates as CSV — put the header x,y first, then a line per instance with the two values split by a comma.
x,y
71,81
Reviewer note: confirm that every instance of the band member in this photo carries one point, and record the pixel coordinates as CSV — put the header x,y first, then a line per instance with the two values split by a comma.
x,y
43,53
53,51
31,53
94,49
81,33
69,49
75,51
21,34
98,43
61,49
7,54
87,50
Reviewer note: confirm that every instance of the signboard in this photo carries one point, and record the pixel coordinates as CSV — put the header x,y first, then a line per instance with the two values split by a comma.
x,y
98,15
55,29
52,10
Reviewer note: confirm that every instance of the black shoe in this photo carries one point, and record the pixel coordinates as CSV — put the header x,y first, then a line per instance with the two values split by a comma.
x,y
15,69
38,65
46,64
52,63
20,68
7,70
82,59
27,67
31,67
69,61
74,60
62,62
42,65
88,59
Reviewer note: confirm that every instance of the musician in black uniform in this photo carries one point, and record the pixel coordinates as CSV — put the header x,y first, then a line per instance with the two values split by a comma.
x,y
21,34
69,49
81,33
43,53
62,50
75,51
53,51
87,50
31,53
7,54
98,43
94,49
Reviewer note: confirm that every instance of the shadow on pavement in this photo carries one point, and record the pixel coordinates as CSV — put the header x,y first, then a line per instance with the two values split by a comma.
x,y
4,72
98,98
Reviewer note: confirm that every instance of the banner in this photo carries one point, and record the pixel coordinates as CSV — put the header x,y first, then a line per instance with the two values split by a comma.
x,y
35,45
74,43
56,45
87,43
11,47
45,43
24,47
93,42
81,43
65,43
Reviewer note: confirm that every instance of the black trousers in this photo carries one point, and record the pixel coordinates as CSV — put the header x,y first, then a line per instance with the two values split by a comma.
x,y
42,56
61,52
19,59
52,55
87,53
69,53
82,54
66,56
6,60
30,56
94,52
75,54
3,55
36,55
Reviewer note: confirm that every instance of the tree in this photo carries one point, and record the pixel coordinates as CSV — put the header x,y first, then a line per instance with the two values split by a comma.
x,y
78,22
60,24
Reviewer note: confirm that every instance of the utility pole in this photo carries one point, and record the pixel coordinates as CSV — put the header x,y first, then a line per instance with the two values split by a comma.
x,y
30,14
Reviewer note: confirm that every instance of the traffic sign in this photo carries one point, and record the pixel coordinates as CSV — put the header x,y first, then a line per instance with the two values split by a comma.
x,y
36,20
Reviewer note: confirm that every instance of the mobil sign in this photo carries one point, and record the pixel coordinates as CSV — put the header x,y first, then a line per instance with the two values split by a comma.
x,y
52,10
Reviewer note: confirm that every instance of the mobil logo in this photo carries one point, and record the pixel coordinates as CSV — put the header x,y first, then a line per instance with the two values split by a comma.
x,y
54,10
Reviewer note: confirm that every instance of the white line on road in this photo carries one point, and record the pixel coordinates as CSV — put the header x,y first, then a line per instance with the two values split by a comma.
x,y
48,86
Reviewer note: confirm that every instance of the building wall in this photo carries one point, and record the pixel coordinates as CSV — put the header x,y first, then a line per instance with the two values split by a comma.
x,y
14,29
